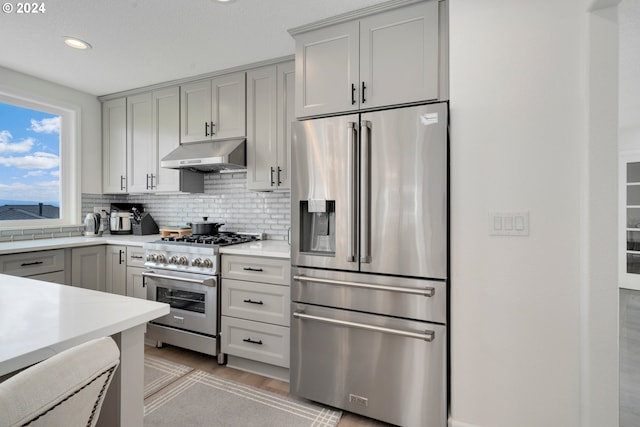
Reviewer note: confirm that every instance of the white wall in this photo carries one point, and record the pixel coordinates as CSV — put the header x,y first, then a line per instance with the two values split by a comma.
x,y
90,133
520,92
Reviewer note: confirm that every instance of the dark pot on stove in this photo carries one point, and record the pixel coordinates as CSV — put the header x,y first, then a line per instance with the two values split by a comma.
x,y
204,227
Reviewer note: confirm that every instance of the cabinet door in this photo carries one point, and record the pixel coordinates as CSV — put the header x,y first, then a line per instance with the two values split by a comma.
x,y
399,56
88,267
166,136
261,129
286,115
327,73
135,284
116,269
141,150
114,146
228,106
195,111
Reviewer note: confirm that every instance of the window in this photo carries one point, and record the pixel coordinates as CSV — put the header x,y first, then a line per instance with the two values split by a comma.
x,y
37,154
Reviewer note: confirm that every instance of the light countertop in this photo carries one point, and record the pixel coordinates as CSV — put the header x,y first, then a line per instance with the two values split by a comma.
x,y
39,319
264,248
71,242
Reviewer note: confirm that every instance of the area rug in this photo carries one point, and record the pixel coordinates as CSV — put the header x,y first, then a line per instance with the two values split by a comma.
x,y
159,373
202,399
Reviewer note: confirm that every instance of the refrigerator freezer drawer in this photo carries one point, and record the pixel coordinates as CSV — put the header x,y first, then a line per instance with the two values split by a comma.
x,y
389,369
418,299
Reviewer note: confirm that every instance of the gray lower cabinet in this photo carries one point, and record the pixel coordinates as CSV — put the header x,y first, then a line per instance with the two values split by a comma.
x,y
255,314
125,265
88,267
48,266
116,269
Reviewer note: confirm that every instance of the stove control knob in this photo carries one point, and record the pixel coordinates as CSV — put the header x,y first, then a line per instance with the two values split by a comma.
x,y
173,259
196,262
151,257
161,258
183,260
207,263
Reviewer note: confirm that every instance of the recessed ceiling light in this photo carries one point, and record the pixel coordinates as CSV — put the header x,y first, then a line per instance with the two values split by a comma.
x,y
225,1
76,43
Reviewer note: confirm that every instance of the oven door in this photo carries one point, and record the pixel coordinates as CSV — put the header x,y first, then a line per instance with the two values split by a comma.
x,y
192,297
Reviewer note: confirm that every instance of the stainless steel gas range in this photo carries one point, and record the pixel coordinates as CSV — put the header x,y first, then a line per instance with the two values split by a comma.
x,y
184,273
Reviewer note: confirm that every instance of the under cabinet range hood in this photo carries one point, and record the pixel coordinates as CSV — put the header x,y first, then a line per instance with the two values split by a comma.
x,y
208,156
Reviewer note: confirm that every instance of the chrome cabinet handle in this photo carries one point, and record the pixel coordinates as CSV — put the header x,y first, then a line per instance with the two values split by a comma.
x,y
352,190
426,292
426,336
213,126
122,182
365,193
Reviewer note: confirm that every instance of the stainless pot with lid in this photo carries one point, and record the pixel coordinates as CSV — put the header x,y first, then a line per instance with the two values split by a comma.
x,y
204,227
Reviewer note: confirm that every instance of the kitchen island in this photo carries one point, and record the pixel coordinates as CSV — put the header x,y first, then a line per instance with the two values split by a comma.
x,y
39,319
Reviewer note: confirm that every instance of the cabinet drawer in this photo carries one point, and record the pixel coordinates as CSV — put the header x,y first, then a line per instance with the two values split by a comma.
x,y
31,263
256,301
256,269
256,341
135,256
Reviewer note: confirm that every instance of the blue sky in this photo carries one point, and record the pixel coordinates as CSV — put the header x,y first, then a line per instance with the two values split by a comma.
x,y
29,155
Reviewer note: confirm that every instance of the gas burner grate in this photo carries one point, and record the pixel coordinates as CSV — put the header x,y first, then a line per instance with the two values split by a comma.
x,y
220,239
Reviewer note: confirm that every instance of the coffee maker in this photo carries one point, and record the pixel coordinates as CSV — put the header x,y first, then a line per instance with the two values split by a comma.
x,y
120,217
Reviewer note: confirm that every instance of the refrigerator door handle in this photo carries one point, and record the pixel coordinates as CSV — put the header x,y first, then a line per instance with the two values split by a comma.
x,y
365,192
426,336
426,291
352,138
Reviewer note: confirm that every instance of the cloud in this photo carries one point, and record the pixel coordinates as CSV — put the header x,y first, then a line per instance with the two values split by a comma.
x,y
38,160
35,173
55,173
48,190
51,125
6,146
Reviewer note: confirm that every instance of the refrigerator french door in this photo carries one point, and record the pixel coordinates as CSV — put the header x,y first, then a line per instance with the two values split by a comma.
x,y
369,263
371,192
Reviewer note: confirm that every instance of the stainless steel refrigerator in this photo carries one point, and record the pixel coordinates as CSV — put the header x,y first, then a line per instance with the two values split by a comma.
x,y
369,263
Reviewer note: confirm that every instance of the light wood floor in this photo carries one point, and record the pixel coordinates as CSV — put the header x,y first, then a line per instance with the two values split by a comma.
x,y
208,364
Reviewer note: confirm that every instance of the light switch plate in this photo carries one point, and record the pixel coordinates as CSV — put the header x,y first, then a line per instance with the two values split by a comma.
x,y
508,223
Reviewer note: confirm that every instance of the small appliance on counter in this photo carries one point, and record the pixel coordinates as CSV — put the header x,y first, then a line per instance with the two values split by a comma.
x,y
120,217
143,223
92,225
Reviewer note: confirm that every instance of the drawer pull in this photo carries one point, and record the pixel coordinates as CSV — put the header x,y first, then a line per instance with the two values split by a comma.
x,y
250,301
249,340
28,264
252,269
137,257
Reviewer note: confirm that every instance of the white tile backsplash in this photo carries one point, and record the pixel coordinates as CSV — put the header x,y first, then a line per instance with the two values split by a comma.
x,y
225,199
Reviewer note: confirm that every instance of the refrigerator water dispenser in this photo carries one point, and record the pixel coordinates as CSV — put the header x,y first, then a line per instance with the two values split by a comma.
x,y
317,227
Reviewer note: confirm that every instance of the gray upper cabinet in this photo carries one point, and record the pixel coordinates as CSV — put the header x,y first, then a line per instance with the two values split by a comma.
x,y
389,58
138,131
213,109
114,146
270,110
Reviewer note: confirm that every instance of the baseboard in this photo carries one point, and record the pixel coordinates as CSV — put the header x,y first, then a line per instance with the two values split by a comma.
x,y
454,423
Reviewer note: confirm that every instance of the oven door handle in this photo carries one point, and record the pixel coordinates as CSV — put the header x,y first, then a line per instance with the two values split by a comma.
x,y
426,336
152,275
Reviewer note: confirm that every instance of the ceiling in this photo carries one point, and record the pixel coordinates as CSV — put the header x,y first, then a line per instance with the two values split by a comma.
x,y
137,43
